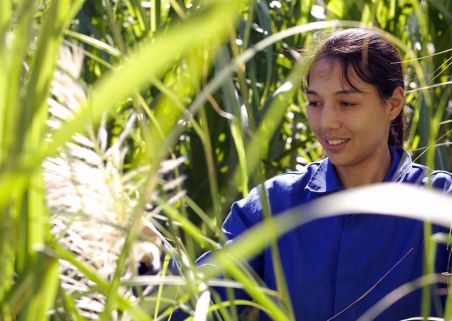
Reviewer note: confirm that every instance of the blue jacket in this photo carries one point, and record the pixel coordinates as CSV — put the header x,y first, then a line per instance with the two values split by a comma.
x,y
331,263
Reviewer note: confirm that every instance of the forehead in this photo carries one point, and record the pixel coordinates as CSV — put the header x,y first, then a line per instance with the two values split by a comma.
x,y
328,71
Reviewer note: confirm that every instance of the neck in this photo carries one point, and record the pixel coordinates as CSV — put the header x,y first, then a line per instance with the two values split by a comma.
x,y
373,171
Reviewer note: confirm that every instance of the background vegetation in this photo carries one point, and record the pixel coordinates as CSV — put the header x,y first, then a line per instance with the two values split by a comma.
x,y
130,144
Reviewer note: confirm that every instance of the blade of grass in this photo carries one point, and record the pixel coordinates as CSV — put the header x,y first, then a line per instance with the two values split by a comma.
x,y
17,296
13,64
135,9
70,307
237,126
34,112
6,14
188,226
44,289
213,181
93,42
160,287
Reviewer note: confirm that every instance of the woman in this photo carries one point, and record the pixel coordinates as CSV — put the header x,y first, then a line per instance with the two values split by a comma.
x,y
341,266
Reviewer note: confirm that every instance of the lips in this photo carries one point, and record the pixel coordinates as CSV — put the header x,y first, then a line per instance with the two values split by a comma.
x,y
335,144
336,141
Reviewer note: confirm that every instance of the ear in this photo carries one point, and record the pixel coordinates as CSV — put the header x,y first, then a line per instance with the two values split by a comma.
x,y
396,102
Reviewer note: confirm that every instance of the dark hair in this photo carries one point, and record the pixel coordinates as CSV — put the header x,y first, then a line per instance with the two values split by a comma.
x,y
374,59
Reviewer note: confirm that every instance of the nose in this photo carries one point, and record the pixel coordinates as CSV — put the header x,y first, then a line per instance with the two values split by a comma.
x,y
329,118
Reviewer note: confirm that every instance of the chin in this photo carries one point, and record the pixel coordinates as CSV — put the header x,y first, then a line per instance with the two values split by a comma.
x,y
341,162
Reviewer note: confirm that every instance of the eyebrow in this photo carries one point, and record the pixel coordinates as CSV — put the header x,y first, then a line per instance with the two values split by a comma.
x,y
340,92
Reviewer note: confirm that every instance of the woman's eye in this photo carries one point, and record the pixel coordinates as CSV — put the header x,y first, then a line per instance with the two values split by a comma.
x,y
347,104
313,104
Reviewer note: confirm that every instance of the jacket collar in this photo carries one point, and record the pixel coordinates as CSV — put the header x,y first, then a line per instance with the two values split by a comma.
x,y
325,180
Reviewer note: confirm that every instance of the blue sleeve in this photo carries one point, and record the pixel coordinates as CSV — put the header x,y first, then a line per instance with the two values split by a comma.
x,y
442,180
242,216
245,214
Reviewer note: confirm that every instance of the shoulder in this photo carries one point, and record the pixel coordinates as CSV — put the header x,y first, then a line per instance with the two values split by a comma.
x,y
442,180
293,180
283,191
422,175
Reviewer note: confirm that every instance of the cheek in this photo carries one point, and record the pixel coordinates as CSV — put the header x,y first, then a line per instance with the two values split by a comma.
x,y
379,113
370,125
312,119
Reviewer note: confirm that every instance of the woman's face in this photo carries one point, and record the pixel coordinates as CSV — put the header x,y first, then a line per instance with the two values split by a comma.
x,y
352,126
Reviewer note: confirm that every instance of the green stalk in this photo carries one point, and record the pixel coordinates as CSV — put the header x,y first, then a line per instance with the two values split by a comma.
x,y
70,307
258,147
160,288
281,284
6,14
243,87
229,265
11,108
44,288
429,244
265,21
17,296
236,126
34,113
189,227
213,181
249,22
34,291
205,218
428,267
154,16
114,27
239,141
7,252
30,132
136,11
